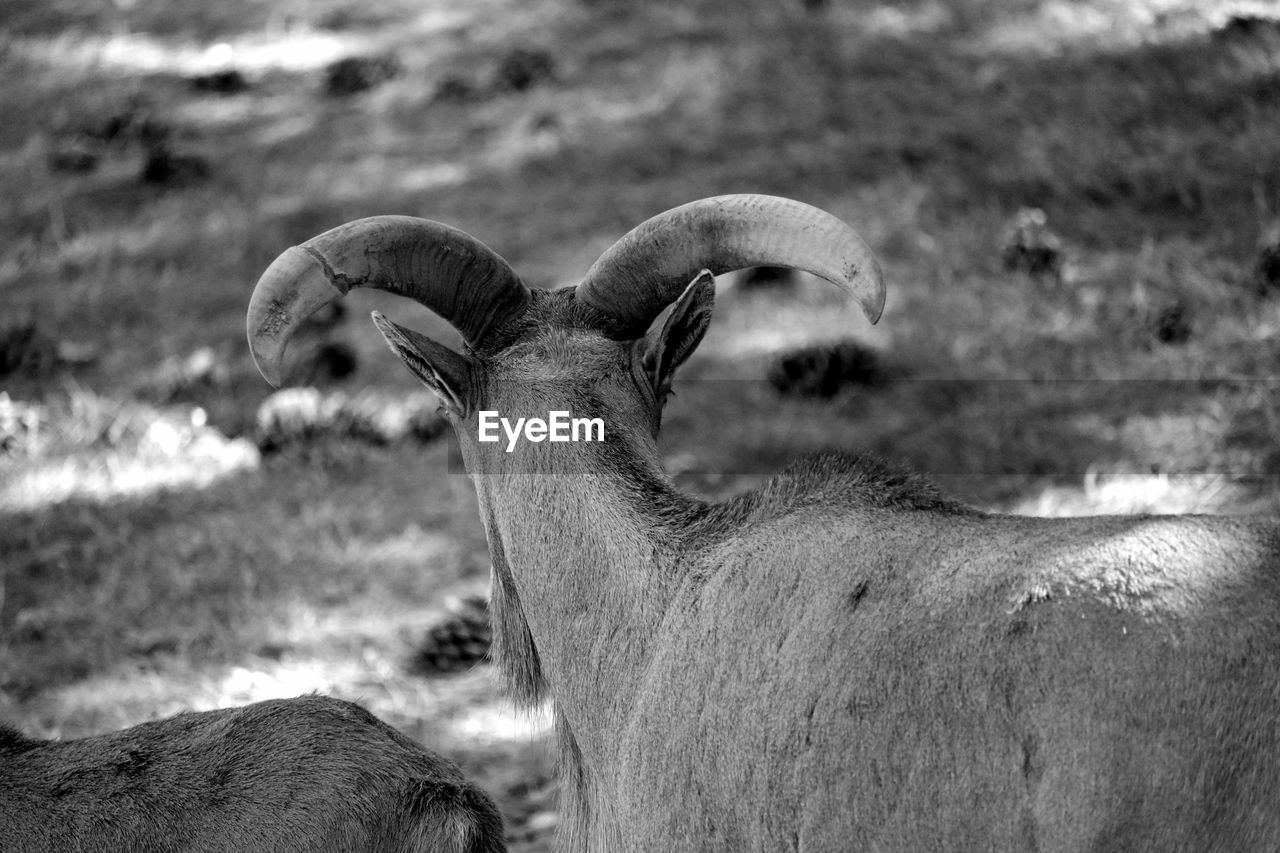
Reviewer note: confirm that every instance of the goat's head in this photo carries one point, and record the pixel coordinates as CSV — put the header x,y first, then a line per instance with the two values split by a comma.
x,y
586,350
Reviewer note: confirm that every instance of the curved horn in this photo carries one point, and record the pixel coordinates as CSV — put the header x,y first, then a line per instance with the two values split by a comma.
x,y
447,270
646,270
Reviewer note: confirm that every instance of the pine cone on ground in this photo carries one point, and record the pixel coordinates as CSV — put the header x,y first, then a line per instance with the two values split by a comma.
x,y
355,74
458,643
1266,267
821,370
1029,245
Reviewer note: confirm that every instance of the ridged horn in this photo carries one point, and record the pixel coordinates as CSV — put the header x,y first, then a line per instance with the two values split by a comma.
x,y
646,270
447,270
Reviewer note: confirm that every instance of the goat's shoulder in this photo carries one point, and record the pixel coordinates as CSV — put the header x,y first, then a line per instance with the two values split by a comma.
x,y
837,484
845,480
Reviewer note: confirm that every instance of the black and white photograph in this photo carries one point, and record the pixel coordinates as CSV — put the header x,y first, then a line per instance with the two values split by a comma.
x,y
594,426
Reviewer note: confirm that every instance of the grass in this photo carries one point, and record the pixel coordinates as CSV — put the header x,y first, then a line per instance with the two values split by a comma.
x,y
152,559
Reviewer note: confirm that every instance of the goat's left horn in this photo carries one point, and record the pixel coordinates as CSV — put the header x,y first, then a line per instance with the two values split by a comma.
x,y
447,270
646,270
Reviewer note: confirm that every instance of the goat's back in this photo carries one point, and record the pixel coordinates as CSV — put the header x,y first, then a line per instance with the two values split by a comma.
x,y
931,680
308,774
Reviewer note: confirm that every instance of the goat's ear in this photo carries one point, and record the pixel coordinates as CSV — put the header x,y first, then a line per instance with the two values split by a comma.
x,y
436,366
662,351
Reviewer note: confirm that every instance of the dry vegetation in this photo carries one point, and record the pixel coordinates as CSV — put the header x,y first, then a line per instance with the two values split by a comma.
x,y
156,156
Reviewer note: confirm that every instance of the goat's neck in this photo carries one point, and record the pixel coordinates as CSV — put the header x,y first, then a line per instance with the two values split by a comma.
x,y
595,559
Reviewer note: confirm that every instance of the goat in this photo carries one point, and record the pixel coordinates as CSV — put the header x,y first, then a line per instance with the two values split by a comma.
x,y
310,774
842,659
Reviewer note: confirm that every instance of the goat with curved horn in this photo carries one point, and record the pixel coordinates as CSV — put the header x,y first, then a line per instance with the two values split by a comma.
x,y
842,659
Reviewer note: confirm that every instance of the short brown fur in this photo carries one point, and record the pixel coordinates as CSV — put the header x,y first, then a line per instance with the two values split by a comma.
x,y
306,775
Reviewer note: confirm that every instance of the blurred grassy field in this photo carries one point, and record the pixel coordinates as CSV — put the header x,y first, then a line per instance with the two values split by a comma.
x,y
151,559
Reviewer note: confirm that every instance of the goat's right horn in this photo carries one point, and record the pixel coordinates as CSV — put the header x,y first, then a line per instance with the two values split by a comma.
x,y
649,267
447,270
